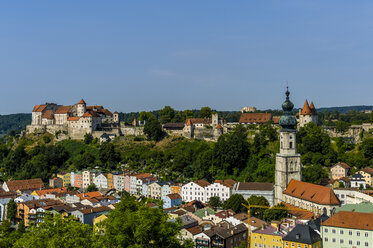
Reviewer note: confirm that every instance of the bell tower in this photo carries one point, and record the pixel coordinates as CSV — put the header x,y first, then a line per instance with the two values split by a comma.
x,y
288,162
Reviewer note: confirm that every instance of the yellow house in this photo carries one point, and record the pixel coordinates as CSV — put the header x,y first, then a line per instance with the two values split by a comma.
x,y
302,236
110,183
176,188
267,236
66,178
97,223
367,173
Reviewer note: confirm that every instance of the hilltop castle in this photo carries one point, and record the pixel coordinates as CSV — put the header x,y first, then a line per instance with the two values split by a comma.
x,y
74,120
307,114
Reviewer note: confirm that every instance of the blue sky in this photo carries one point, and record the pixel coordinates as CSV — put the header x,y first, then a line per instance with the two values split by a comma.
x,y
143,55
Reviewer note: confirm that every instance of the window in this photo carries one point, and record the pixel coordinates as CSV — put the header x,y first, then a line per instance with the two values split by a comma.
x,y
291,145
366,244
350,232
333,231
341,231
326,239
358,233
333,240
357,242
326,230
366,235
341,241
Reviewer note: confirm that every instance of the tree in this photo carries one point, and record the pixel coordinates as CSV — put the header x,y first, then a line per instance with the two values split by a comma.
x,y
259,201
275,214
133,224
188,114
341,126
166,114
314,173
215,202
92,187
58,232
88,138
232,150
145,116
11,210
153,129
367,148
205,112
235,202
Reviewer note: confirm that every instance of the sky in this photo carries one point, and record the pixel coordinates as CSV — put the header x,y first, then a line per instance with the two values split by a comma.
x,y
143,55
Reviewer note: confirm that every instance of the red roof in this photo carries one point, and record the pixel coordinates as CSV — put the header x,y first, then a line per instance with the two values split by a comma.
x,y
219,126
368,170
258,118
199,121
306,109
90,114
351,220
202,183
227,182
87,195
39,108
312,192
343,165
81,102
48,115
73,118
188,122
174,196
30,184
63,110
313,109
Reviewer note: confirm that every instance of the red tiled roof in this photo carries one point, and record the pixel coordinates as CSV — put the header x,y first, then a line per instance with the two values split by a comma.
x,y
174,196
50,191
188,122
48,115
199,121
313,109
39,108
311,192
107,112
343,165
202,183
298,212
351,220
30,184
227,182
63,110
143,175
219,126
87,195
259,118
276,119
368,170
73,118
90,114
306,109
95,210
81,102
194,230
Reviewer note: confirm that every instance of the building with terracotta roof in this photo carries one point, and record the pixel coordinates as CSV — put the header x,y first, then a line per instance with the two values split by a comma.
x,y
340,170
172,200
23,185
255,118
195,191
76,120
312,197
307,114
87,215
27,211
348,229
202,128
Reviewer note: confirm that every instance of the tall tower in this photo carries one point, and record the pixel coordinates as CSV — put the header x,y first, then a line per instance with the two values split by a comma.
x,y
288,163
81,107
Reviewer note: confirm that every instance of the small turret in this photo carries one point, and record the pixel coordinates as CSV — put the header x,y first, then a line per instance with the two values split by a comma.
x,y
81,108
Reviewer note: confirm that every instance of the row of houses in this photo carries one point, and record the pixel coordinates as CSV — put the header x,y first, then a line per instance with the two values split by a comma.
x,y
340,174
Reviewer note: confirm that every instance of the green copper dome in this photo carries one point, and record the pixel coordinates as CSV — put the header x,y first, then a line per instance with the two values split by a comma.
x,y
287,120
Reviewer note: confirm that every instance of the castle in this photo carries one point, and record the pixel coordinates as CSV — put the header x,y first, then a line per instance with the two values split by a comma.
x,y
74,120
307,114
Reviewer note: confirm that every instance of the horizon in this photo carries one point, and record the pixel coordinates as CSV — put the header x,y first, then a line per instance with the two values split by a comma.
x,y
131,56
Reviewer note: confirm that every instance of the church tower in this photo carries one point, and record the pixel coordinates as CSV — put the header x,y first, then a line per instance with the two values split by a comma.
x,y
288,163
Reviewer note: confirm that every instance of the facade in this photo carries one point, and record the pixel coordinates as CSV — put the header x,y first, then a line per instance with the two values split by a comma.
x,y
339,171
348,229
367,173
28,211
176,188
352,196
302,236
312,197
195,191
3,208
307,114
55,182
66,178
171,200
87,215
247,189
220,188
227,237
110,181
267,236
78,179
358,181
101,181
76,120
288,161
118,182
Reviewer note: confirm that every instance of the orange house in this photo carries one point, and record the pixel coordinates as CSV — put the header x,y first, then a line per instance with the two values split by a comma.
x,y
30,211
176,188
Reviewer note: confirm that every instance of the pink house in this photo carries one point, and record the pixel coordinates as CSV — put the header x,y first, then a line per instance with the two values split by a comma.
x,y
78,180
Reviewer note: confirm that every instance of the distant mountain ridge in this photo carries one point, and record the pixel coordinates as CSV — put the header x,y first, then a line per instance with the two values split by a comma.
x,y
13,123
345,109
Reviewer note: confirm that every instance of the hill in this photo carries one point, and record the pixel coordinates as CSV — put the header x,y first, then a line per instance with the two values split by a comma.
x,y
13,123
345,109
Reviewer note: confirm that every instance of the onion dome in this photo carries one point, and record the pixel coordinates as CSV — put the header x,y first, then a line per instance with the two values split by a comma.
x,y
287,120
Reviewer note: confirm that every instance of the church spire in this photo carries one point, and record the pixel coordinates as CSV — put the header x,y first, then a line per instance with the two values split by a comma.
x,y
287,120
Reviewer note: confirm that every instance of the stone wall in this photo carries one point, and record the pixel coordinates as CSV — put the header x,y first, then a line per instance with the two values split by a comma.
x,y
352,133
136,131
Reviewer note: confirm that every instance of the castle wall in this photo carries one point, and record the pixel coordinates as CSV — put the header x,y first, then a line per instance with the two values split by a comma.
x,y
136,131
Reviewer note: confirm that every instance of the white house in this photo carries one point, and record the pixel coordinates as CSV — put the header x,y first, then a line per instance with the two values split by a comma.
x,y
118,182
220,188
358,180
194,191
101,181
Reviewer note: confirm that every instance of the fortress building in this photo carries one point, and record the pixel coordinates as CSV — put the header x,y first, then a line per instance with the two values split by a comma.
x,y
74,120
307,114
288,162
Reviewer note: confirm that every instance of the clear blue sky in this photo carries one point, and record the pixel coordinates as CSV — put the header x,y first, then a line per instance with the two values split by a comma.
x,y
143,55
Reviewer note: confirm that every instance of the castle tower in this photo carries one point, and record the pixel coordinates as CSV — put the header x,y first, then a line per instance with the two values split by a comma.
x,y
81,108
116,117
288,163
307,114
215,119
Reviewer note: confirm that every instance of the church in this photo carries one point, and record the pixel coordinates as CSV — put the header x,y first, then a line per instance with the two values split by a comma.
x,y
289,187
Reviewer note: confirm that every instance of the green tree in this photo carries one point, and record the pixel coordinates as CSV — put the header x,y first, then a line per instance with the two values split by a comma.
x,y
341,126
274,213
153,129
109,157
188,114
145,116
58,232
88,138
205,112
235,202
314,173
166,114
11,210
258,201
367,148
215,202
133,224
232,150
179,117
92,187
